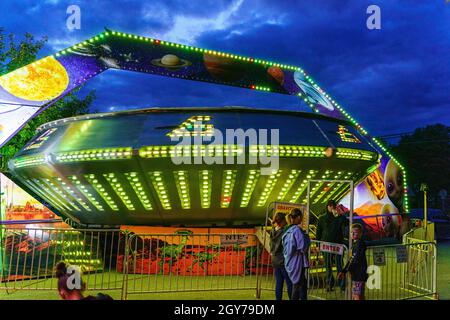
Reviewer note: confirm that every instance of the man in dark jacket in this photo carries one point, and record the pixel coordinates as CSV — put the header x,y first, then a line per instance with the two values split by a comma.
x,y
330,228
276,250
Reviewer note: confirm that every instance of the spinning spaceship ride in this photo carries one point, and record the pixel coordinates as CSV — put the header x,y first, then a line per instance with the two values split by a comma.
x,y
123,168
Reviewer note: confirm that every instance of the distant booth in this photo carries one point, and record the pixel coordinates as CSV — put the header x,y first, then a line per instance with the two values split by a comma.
x,y
175,173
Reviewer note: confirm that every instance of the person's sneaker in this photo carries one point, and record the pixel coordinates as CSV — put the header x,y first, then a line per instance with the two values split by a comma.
x,y
330,289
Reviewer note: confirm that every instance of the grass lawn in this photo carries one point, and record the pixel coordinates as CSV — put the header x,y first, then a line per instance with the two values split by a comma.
x,y
443,270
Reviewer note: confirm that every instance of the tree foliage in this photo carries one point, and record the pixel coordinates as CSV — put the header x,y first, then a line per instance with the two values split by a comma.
x,y
426,156
15,54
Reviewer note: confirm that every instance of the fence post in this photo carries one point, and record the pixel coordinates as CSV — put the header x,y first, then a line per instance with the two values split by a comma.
x,y
258,273
436,294
125,262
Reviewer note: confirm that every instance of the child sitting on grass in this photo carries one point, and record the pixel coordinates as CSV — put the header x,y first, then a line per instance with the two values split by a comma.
x,y
357,264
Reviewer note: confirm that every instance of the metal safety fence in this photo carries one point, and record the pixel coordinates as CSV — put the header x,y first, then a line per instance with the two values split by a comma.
x,y
395,272
139,264
29,256
403,271
183,262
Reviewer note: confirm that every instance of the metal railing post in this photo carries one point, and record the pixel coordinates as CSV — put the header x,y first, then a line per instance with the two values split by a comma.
x,y
259,276
350,243
436,294
307,205
125,263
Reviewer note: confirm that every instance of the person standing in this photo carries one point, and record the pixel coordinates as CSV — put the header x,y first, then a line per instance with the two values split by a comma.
x,y
276,250
357,264
330,228
295,250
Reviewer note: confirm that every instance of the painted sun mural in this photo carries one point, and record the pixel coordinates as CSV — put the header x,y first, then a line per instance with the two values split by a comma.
x,y
44,80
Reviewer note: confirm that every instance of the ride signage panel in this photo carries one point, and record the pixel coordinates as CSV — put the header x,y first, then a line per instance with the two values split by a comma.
x,y
227,239
402,254
286,208
332,248
379,257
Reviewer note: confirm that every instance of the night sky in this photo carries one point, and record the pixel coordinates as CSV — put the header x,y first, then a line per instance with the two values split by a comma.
x,y
391,80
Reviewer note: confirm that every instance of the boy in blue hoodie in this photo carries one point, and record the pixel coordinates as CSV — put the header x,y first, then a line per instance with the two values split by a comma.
x,y
295,250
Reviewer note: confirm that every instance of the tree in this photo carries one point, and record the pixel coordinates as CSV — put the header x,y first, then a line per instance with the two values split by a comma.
x,y
426,157
13,55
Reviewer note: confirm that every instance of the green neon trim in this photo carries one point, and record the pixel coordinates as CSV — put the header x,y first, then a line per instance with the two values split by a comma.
x,y
182,182
250,184
311,174
92,179
205,186
188,128
51,194
290,180
137,185
95,154
119,190
346,153
60,193
262,88
156,178
338,187
212,52
228,181
83,189
39,192
268,188
328,187
318,185
27,161
254,150
71,192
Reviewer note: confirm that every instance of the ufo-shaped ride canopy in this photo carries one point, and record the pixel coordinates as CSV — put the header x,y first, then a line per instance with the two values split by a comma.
x,y
124,168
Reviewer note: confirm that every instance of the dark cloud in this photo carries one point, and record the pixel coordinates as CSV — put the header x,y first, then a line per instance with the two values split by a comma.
x,y
391,80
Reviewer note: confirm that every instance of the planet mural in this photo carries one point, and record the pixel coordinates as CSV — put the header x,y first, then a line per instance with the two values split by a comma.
x,y
313,95
44,80
277,74
223,69
171,62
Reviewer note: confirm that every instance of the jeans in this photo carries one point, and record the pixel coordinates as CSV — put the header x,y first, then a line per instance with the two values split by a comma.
x,y
300,289
281,275
330,260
